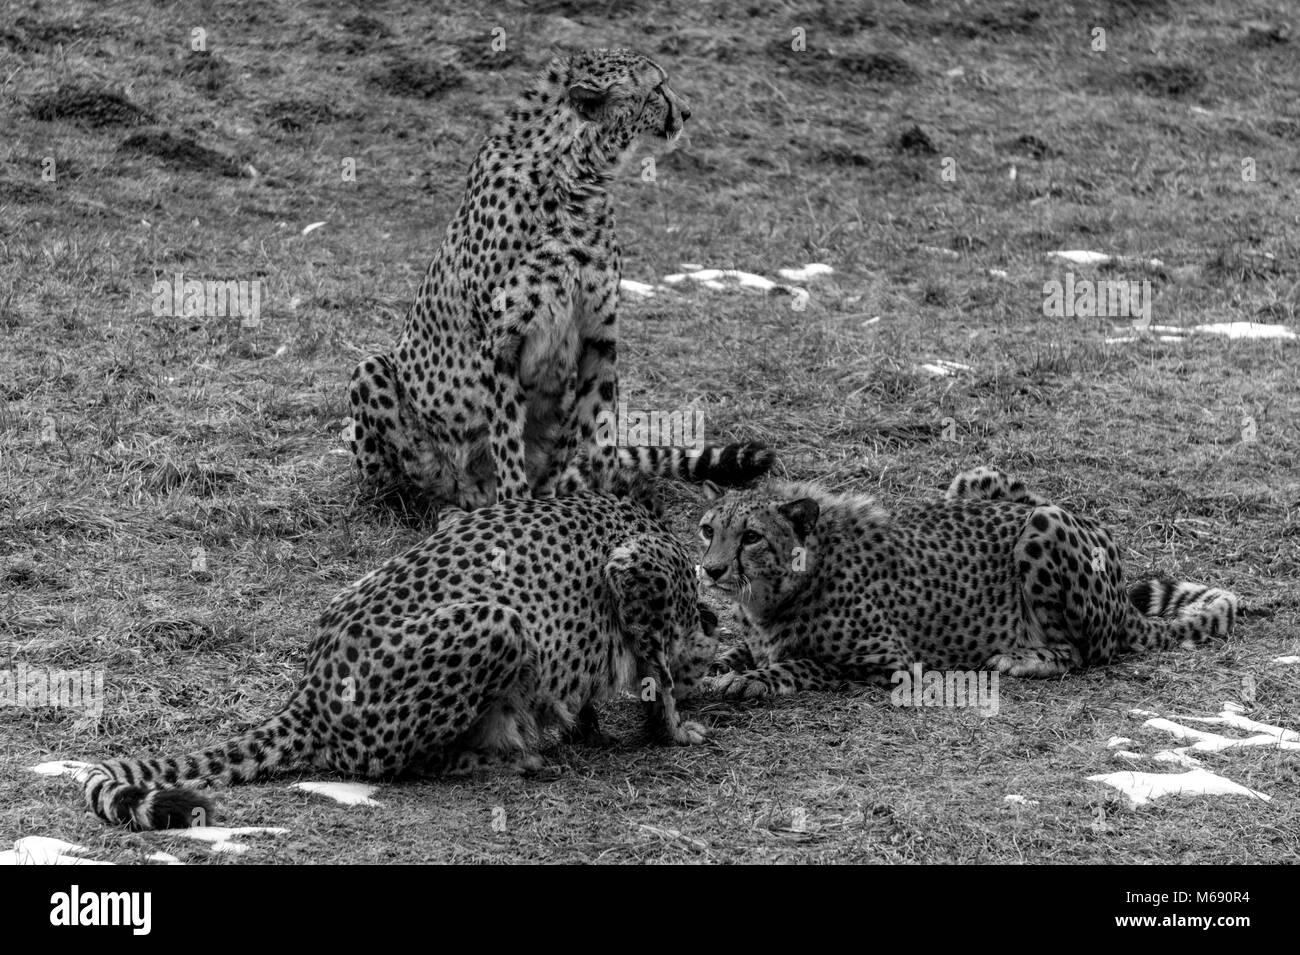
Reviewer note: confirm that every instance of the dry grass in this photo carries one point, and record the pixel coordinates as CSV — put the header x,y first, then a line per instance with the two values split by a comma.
x,y
173,434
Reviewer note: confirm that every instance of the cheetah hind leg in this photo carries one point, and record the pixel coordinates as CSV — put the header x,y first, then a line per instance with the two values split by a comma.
x,y
376,421
472,689
1069,622
388,449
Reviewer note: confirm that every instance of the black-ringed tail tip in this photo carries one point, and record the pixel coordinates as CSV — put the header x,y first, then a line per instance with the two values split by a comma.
x,y
730,465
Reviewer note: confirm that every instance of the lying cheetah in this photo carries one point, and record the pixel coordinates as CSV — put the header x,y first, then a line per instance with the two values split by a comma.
x,y
504,380
833,590
459,652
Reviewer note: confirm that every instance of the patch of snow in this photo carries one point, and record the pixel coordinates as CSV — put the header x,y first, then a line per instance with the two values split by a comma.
x,y
1142,788
312,227
42,850
1142,713
942,253
1204,742
1085,257
809,271
997,273
1125,339
166,858
1117,741
1287,661
691,267
1127,754
1240,722
722,280
712,278
222,837
60,767
1178,757
1081,257
1246,330
637,288
349,794
1020,800
941,367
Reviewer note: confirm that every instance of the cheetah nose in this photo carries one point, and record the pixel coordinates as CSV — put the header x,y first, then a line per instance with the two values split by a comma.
x,y
686,112
715,572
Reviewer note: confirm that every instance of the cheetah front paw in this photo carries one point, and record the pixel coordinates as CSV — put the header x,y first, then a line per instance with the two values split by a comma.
x,y
735,685
688,733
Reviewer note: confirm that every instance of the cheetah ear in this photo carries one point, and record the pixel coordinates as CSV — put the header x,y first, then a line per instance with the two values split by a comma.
x,y
711,492
587,101
802,514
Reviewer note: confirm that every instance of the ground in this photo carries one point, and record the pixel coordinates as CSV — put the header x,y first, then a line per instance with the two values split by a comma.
x,y
931,153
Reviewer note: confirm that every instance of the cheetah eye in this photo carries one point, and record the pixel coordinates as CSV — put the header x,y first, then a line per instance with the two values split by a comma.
x,y
751,537
706,532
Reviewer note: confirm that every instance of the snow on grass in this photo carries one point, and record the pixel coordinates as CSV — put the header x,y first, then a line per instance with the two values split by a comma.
x,y
942,368
1287,661
640,289
222,838
42,850
1235,330
1019,800
1142,788
809,271
60,767
720,280
1085,257
1246,330
349,794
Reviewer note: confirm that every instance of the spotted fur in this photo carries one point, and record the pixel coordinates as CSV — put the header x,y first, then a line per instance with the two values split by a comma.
x,y
460,652
833,590
504,381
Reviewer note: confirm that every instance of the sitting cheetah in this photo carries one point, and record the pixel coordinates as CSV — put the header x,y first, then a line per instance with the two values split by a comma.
x,y
832,590
504,380
459,652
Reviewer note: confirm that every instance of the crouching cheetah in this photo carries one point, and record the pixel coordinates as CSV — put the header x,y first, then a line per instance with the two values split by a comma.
x,y
504,380
834,591
460,652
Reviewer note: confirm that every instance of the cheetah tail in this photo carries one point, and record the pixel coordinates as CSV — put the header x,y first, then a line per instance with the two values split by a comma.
x,y
145,793
1166,613
729,465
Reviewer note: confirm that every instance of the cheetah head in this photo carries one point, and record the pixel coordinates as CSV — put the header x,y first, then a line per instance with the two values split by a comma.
x,y
758,551
627,94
